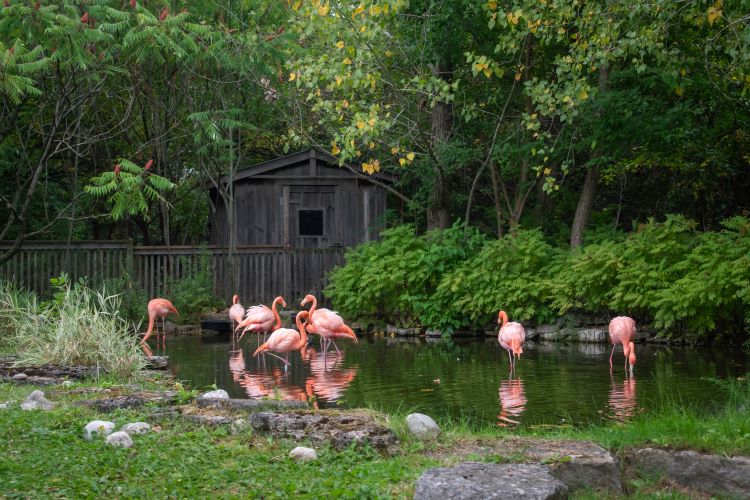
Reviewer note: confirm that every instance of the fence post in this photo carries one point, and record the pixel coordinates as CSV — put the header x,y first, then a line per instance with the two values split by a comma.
x,y
129,267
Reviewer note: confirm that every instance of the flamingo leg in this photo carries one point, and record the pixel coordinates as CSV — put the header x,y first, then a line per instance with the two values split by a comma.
x,y
337,347
277,357
610,357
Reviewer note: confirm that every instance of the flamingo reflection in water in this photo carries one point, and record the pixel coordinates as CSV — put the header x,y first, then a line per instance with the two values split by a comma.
x,y
622,400
237,364
328,380
512,402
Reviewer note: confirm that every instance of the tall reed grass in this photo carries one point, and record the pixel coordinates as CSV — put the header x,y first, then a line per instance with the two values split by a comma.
x,y
80,326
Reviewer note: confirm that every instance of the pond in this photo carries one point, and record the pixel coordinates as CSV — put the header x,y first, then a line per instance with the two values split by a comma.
x,y
464,378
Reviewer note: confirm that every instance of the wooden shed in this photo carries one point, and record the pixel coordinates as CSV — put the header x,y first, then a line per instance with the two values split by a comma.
x,y
301,211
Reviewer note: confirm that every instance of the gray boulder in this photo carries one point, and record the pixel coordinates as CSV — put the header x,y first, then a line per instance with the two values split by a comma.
x,y
473,480
302,454
37,401
121,439
422,426
713,474
217,394
98,427
593,335
136,428
20,376
240,426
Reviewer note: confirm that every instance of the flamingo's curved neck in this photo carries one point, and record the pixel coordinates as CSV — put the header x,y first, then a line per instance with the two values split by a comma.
x,y
151,318
276,325
235,299
302,332
504,317
314,306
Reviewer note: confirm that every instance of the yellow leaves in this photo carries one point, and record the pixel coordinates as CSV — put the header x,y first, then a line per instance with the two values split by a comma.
x,y
713,14
410,156
679,91
547,171
518,76
338,80
360,9
375,10
335,149
361,124
371,166
394,150
323,9
347,61
371,145
583,95
371,121
492,5
487,72
292,77
401,161
512,18
683,72
388,53
533,26
340,44
297,4
345,103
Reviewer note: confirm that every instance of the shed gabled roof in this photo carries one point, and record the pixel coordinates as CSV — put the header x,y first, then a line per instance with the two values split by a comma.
x,y
298,157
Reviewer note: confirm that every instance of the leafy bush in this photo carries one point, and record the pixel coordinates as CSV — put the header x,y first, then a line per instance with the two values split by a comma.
x,y
80,326
193,295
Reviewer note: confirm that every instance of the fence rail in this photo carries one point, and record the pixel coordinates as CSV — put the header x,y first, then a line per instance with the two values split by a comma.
x,y
263,271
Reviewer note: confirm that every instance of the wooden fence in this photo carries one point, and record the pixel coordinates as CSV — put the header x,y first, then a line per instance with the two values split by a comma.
x,y
263,271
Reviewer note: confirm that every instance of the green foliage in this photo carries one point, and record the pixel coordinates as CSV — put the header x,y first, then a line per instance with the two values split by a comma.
x,y
79,326
193,295
686,283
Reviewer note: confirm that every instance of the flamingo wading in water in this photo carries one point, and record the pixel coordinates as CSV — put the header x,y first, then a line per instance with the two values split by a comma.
x,y
262,319
328,324
286,340
622,331
158,308
236,312
511,338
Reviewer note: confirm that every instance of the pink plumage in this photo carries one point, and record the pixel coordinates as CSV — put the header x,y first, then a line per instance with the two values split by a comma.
x,y
326,323
286,340
511,337
261,318
622,331
236,311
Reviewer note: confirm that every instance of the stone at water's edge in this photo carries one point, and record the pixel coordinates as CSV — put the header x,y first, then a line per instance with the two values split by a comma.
x,y
422,426
136,428
20,376
593,335
302,454
251,404
473,480
713,474
121,439
98,427
37,401
217,394
157,362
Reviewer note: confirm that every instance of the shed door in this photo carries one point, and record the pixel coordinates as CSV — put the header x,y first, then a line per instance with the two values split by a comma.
x,y
312,220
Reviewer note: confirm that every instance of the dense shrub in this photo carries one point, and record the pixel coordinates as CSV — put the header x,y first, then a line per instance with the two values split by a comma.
x,y
193,295
685,282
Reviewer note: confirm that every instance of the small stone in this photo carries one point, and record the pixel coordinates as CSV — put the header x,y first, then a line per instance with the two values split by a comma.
x,y
136,428
472,480
20,376
422,426
98,427
302,454
240,426
67,383
4,406
37,401
121,439
217,394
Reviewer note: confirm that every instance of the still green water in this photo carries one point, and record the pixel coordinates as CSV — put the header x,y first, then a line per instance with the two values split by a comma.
x,y
464,378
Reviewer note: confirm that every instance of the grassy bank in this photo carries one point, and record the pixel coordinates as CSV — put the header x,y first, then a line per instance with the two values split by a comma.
x,y
182,459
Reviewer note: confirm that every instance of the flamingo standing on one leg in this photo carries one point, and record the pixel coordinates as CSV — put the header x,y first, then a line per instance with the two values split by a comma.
x,y
511,338
328,324
262,319
158,308
236,312
286,340
622,331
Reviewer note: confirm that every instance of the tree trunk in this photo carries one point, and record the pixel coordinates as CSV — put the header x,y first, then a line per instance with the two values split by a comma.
x,y
441,128
590,185
496,195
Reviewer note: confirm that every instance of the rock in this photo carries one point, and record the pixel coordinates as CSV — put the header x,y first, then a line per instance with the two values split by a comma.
x,y
302,454
473,480
37,401
712,474
107,405
240,426
217,394
4,406
593,335
136,428
251,405
20,376
340,429
98,427
422,426
390,329
212,420
433,333
157,362
67,383
121,439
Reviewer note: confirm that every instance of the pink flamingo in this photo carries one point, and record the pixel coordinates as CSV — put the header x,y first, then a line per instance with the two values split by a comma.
x,y
262,319
328,324
622,331
286,340
236,312
511,338
158,308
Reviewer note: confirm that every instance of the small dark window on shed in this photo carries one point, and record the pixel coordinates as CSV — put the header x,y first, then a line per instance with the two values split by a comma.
x,y
311,223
